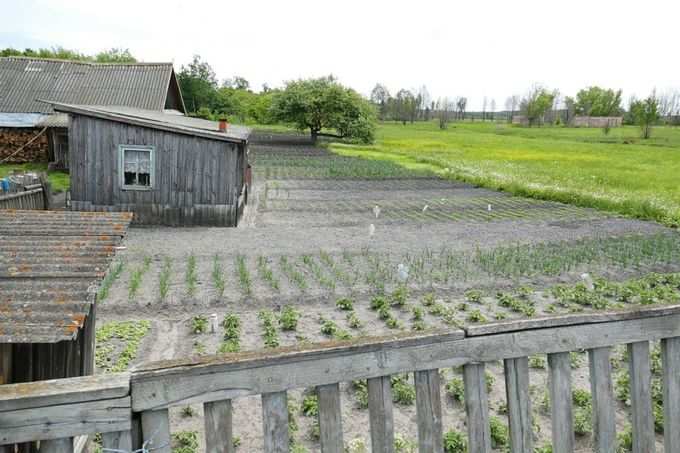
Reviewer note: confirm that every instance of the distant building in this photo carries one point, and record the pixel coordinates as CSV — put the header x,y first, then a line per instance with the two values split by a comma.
x,y
166,168
597,121
39,134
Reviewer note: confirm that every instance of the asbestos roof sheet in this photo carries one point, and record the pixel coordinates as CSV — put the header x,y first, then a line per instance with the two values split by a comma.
x,y
51,265
159,120
24,80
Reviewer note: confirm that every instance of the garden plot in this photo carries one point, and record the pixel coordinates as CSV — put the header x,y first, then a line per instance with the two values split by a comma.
x,y
308,267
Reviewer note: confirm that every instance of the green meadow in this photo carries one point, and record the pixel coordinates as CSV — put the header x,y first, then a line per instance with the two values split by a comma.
x,y
616,172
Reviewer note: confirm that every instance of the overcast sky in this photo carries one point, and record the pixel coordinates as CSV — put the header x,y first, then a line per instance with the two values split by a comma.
x,y
490,48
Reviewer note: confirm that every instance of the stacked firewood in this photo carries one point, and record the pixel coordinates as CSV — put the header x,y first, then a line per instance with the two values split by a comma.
x,y
12,139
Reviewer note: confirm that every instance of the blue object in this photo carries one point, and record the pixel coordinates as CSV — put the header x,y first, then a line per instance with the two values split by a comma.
x,y
4,183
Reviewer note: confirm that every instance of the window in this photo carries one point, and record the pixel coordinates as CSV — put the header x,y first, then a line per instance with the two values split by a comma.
x,y
137,165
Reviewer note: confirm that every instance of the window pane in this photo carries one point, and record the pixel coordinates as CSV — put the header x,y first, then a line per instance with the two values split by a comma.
x,y
137,167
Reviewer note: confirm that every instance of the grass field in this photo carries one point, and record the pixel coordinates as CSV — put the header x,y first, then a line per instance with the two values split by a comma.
x,y
617,172
60,181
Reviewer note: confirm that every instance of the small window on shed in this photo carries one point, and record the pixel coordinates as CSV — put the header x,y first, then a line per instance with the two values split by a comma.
x,y
137,166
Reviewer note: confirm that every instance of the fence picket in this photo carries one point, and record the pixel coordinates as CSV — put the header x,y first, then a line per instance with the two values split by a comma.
x,y
560,402
429,411
604,416
330,419
156,430
641,397
218,427
380,414
670,356
275,422
477,408
519,404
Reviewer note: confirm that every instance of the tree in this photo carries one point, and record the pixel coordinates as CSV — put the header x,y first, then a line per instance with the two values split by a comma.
x,y
596,101
237,83
115,55
570,109
461,104
645,113
107,56
323,103
669,106
492,113
484,109
443,107
511,104
536,104
380,96
198,83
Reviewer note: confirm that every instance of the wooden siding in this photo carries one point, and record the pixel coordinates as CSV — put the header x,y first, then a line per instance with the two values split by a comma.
x,y
197,181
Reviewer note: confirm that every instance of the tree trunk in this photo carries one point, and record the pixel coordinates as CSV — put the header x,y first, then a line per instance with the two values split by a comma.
x,y
314,135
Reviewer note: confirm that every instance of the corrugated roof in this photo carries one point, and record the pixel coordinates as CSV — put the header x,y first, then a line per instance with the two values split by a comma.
x,y
23,80
159,120
51,263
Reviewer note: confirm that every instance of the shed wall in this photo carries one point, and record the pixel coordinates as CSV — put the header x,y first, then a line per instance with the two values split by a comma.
x,y
196,180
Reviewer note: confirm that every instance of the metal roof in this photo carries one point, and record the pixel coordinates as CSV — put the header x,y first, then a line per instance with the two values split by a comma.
x,y
51,263
23,80
159,120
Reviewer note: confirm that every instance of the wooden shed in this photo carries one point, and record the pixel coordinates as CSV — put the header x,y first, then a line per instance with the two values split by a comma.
x,y
168,169
52,265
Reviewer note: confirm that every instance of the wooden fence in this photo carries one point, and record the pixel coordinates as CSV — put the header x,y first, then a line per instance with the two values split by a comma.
x,y
130,408
34,194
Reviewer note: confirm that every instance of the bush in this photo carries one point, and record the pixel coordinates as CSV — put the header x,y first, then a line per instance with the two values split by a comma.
x,y
455,442
289,318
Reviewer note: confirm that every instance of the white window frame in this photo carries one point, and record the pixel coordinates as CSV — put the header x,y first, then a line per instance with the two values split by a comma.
x,y
121,166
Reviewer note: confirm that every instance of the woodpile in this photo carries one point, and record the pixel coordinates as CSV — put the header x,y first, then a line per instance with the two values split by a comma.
x,y
11,139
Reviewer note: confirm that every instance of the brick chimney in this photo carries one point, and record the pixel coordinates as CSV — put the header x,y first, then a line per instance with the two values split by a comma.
x,y
223,125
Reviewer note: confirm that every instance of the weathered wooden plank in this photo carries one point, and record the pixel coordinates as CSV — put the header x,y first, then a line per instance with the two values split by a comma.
x,y
65,420
64,445
380,414
477,408
156,430
670,356
117,440
54,392
275,422
561,403
642,416
519,404
330,419
218,427
429,411
515,325
604,414
162,384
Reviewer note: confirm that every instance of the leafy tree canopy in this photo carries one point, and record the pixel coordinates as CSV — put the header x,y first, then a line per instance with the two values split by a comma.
x,y
113,55
323,103
536,104
596,101
645,113
198,83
